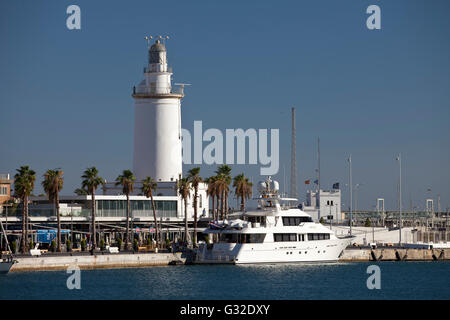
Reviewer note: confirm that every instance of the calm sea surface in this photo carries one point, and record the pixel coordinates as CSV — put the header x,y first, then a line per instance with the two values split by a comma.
x,y
399,280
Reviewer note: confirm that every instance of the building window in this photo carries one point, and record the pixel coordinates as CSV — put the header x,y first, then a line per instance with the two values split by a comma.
x,y
139,208
3,191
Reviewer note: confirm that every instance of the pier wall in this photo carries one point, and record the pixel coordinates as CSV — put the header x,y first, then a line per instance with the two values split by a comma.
x,y
96,261
391,254
378,234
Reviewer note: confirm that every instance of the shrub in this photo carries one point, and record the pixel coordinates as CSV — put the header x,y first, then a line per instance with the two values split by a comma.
x,y
149,241
13,246
135,245
31,244
167,243
102,244
321,220
53,246
119,243
68,245
83,244
367,224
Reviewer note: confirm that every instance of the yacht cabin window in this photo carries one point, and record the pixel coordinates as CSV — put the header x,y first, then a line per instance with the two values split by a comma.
x,y
242,237
281,237
295,221
318,236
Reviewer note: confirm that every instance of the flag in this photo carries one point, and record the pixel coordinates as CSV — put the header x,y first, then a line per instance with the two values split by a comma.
x,y
213,225
306,181
336,185
316,181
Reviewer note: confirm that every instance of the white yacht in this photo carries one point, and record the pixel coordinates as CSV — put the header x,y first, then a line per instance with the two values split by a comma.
x,y
275,232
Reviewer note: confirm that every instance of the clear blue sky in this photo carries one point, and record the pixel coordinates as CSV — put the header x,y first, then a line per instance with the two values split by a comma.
x,y
65,95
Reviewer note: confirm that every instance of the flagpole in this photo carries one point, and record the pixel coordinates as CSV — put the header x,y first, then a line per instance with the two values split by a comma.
x,y
318,178
351,193
399,159
318,160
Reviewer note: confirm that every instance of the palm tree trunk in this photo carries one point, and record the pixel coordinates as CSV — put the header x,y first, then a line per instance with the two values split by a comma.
x,y
243,201
195,216
217,205
156,221
27,225
185,222
127,235
214,214
59,220
226,204
94,231
24,225
222,205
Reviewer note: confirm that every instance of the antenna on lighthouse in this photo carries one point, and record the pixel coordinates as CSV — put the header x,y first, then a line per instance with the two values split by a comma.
x,y
162,38
182,84
148,38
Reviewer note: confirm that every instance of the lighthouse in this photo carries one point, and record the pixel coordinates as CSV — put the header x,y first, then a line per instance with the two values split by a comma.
x,y
157,120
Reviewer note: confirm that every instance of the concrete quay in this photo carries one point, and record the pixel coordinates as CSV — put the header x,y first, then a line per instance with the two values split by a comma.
x,y
394,254
99,261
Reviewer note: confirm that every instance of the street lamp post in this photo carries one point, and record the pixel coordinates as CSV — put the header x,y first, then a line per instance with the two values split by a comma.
x,y
71,223
399,159
351,193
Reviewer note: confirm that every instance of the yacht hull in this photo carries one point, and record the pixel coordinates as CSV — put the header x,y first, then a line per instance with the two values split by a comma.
x,y
5,266
278,252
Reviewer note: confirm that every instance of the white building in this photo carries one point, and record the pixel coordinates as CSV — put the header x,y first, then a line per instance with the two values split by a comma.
x,y
157,132
157,121
323,203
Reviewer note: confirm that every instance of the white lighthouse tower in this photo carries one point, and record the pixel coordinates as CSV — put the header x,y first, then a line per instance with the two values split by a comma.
x,y
157,122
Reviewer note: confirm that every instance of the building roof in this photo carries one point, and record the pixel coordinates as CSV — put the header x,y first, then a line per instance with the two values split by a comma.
x,y
157,47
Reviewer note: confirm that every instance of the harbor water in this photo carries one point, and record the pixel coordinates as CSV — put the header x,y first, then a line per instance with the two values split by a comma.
x,y
399,280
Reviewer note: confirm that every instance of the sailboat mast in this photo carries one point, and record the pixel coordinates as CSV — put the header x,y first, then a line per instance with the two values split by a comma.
x,y
6,237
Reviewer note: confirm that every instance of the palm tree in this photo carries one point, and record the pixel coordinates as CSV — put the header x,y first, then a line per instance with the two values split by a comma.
x,y
126,180
243,188
211,192
52,184
184,189
23,187
90,182
224,174
195,179
81,192
148,186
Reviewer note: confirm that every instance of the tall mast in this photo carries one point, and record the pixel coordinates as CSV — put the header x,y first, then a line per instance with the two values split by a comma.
x,y
351,192
318,163
6,237
399,159
294,192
